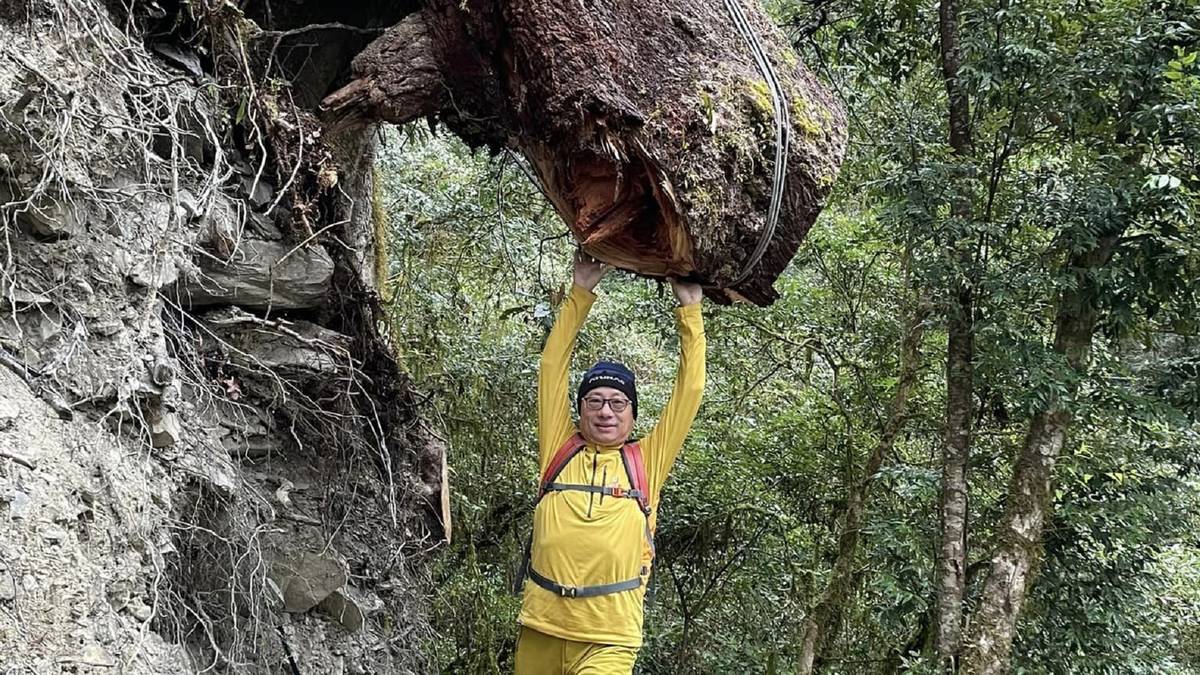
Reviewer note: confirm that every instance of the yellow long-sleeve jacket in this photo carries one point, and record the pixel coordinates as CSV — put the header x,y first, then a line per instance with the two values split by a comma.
x,y
583,539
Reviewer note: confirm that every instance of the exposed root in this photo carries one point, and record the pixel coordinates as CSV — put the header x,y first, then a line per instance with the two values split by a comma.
x,y
279,433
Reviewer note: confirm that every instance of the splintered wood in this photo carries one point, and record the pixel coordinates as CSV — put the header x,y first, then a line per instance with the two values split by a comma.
x,y
649,125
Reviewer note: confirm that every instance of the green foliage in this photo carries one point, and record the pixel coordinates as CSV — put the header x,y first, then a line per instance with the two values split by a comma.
x,y
1087,125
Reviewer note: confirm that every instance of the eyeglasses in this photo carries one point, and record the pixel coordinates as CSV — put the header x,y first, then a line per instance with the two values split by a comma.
x,y
617,405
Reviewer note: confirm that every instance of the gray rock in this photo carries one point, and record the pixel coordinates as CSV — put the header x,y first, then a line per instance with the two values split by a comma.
x,y
21,298
188,205
314,351
261,193
54,535
118,594
8,585
44,215
48,217
306,579
165,431
290,348
342,608
180,57
18,502
252,446
261,274
261,226
153,273
140,610
95,655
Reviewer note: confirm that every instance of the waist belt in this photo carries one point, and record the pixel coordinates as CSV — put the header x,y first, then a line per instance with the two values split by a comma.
x,y
582,591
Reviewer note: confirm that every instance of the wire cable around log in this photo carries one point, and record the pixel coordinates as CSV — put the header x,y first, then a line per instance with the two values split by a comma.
x,y
782,135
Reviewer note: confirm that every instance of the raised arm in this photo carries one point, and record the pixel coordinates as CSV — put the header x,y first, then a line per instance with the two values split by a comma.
x,y
662,446
554,407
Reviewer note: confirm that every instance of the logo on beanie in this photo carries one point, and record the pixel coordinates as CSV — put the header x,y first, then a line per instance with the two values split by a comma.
x,y
600,377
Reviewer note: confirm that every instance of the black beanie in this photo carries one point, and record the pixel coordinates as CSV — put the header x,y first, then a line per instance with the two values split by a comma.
x,y
609,374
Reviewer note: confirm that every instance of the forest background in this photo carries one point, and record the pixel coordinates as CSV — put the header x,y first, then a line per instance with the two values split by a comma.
x,y
975,337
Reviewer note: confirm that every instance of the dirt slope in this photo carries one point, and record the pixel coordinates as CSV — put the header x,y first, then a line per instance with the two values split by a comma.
x,y
208,458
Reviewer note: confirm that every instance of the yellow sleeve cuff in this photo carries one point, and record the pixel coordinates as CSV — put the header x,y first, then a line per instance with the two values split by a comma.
x,y
581,293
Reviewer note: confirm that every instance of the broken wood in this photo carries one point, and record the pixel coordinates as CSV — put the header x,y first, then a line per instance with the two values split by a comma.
x,y
407,92
649,125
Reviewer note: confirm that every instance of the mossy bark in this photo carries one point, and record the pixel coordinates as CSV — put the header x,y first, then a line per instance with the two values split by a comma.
x,y
648,124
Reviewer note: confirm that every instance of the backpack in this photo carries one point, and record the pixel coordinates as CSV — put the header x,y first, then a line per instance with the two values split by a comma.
x,y
635,470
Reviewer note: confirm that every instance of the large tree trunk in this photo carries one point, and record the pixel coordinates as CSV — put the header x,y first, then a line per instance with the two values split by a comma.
x,y
649,125
987,648
951,562
821,627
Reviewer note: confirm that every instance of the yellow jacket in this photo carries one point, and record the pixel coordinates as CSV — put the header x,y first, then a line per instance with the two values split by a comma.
x,y
583,539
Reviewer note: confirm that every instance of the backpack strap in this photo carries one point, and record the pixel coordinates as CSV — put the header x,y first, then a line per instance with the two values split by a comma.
x,y
635,468
559,461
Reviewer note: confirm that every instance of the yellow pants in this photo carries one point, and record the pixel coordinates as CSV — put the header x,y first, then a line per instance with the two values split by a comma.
x,y
541,654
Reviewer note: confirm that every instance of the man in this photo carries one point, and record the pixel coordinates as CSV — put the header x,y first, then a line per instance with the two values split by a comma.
x,y
591,551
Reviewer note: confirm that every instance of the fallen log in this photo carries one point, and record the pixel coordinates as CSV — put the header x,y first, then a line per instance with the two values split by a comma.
x,y
651,126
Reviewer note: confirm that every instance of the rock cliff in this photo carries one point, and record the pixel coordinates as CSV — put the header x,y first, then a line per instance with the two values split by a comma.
x,y
208,457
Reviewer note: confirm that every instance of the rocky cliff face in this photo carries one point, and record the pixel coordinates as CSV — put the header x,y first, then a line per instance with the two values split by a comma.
x,y
208,458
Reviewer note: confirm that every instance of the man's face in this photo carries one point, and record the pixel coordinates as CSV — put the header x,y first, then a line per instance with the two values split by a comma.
x,y
603,426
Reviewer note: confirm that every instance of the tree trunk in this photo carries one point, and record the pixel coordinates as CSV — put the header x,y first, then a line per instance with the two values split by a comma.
x,y
823,624
952,555
993,627
960,352
649,125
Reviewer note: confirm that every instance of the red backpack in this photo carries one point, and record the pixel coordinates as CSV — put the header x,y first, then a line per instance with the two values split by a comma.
x,y
635,469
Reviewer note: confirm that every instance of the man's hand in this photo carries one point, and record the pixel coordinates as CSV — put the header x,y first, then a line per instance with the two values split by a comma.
x,y
588,270
686,293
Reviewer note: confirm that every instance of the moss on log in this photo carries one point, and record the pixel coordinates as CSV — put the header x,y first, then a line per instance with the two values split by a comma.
x,y
649,124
